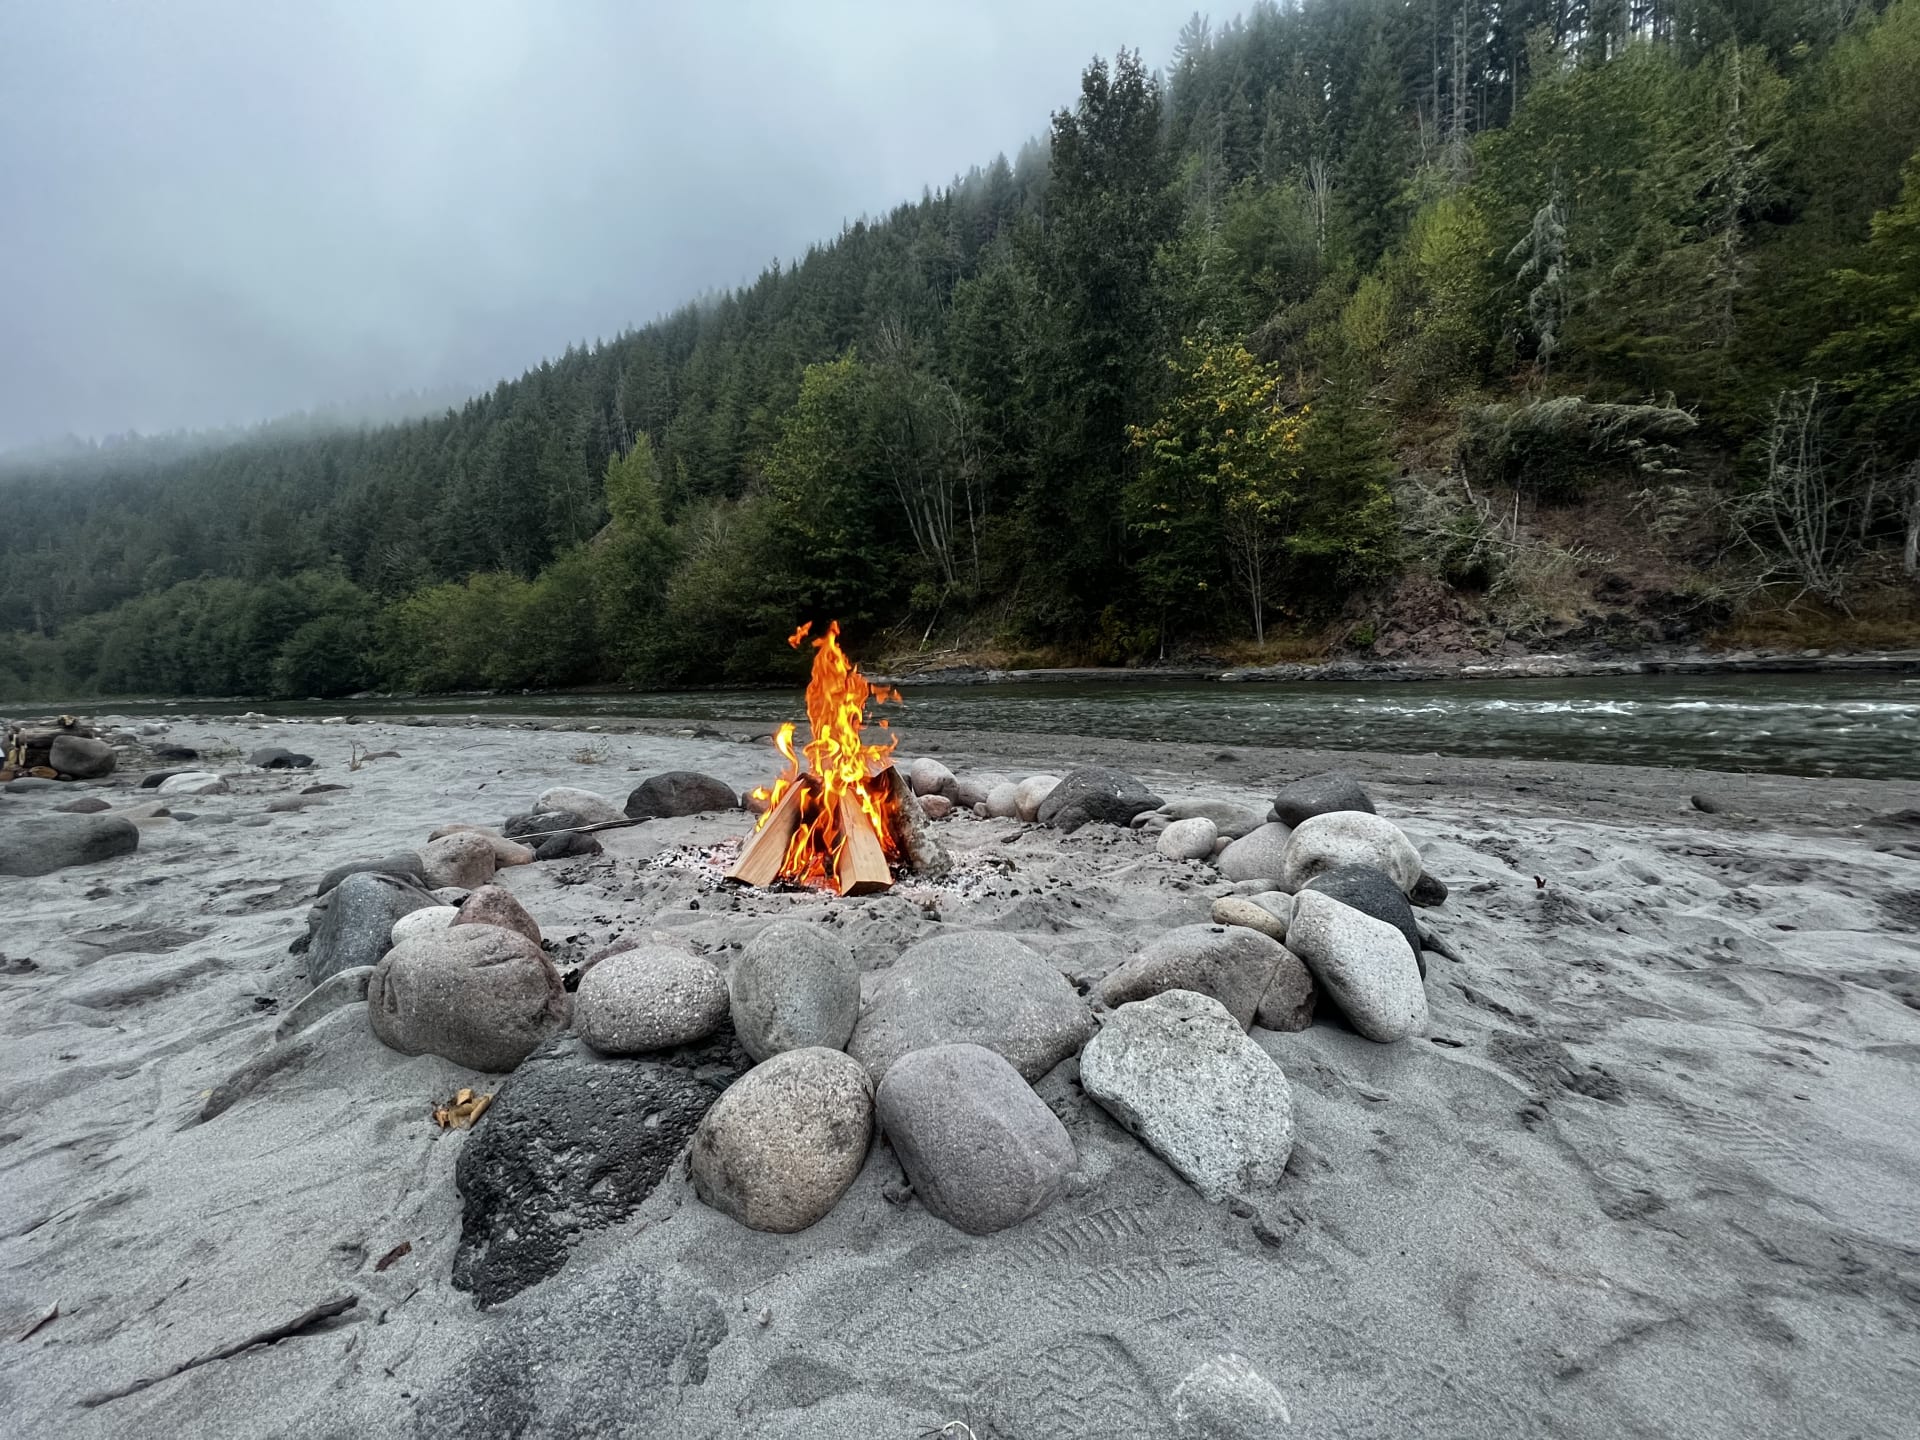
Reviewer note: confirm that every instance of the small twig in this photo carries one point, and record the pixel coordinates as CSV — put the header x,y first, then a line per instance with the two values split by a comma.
x,y
325,1310
579,829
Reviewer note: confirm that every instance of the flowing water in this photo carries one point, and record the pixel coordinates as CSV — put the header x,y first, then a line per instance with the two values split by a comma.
x,y
1799,724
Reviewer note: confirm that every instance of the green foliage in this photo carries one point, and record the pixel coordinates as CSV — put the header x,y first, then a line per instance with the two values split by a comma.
x,y
1875,360
1552,448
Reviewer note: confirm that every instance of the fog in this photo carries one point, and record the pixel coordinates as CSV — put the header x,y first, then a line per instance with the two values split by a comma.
x,y
215,213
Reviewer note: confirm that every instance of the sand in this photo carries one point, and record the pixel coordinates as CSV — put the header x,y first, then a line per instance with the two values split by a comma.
x,y
1655,1170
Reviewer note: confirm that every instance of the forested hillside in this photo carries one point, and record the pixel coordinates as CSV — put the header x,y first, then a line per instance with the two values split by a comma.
x,y
1358,311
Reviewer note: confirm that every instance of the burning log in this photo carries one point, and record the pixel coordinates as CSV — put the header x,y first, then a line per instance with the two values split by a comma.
x,y
863,867
766,849
911,829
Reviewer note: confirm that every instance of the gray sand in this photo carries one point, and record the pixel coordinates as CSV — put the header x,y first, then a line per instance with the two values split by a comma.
x,y
1654,1171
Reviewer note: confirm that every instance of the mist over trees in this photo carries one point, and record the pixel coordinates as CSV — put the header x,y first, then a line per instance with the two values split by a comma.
x,y
1233,344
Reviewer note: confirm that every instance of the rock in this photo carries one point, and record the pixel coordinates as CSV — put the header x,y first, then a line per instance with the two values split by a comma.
x,y
794,987
1705,804
780,1148
152,780
573,1142
85,805
26,783
971,790
465,860
533,826
1188,839
1291,996
1230,820
194,782
982,1150
322,789
1095,794
174,752
1320,795
273,757
1348,837
352,924
937,807
972,987
591,808
478,995
42,844
1362,964
1371,891
1257,855
1428,891
342,988
495,905
508,852
1179,1072
1225,1398
451,895
1229,963
679,792
424,922
1152,823
1031,793
1244,910
568,845
1003,801
649,998
288,804
929,777
81,757
406,866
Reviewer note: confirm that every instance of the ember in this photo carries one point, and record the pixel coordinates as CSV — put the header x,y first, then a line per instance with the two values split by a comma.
x,y
830,823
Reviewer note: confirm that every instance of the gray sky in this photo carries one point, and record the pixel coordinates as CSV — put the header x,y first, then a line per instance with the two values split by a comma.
x,y
220,212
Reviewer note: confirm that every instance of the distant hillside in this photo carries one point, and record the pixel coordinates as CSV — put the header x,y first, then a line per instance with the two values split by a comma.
x,y
1361,313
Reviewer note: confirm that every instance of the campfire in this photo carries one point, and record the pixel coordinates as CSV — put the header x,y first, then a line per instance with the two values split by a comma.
x,y
843,818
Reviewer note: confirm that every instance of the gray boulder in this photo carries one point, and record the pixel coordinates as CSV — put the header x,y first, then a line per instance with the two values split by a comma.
x,y
652,997
679,792
568,845
971,790
81,757
1348,837
1320,795
1371,891
1362,964
1229,963
972,987
433,918
1229,819
533,826
344,987
496,905
462,859
1245,910
1188,839
406,867
928,776
591,808
42,844
982,1150
792,987
275,757
1031,793
1179,1072
1095,794
1003,801
194,782
1257,855
85,805
573,1142
781,1147
1291,996
477,995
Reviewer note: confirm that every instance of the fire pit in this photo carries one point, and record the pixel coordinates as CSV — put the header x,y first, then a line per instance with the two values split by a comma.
x,y
845,819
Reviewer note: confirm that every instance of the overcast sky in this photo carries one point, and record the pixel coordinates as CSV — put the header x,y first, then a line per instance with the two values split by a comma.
x,y
218,211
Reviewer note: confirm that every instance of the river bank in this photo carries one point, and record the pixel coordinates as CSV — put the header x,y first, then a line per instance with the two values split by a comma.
x,y
1649,1170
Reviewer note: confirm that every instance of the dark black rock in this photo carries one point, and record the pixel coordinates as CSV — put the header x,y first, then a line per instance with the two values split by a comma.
x,y
407,866
175,752
41,844
612,1355
153,779
1371,891
679,792
1428,891
1706,804
274,757
1320,795
352,924
540,822
1094,793
567,845
573,1141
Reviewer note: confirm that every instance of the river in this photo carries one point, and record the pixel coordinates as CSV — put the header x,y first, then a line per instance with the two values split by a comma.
x,y
1795,724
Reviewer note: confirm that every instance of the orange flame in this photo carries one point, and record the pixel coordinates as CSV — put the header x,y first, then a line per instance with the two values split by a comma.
x,y
839,761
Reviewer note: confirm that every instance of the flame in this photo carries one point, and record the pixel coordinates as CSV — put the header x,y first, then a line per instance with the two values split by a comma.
x,y
838,763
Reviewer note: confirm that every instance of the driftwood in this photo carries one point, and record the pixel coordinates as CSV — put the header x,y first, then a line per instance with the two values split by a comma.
x,y
923,854
325,1310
